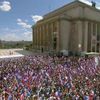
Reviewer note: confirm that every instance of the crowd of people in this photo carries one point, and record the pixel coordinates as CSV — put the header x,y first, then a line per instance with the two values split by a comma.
x,y
44,77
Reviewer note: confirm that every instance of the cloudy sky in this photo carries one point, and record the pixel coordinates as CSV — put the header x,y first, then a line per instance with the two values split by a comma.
x,y
17,16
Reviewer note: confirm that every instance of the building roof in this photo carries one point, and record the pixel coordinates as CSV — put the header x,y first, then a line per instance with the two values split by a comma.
x,y
69,6
56,13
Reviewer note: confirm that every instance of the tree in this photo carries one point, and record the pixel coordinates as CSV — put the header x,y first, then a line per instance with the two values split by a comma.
x,y
0,44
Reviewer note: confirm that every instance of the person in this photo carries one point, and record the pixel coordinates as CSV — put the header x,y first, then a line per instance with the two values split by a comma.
x,y
10,97
42,50
22,97
45,77
10,52
86,96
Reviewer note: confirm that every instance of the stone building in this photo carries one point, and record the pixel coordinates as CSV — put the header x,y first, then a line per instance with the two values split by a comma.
x,y
73,27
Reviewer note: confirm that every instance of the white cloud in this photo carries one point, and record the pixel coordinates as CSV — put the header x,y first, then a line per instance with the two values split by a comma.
x,y
15,37
23,23
9,30
27,33
15,34
19,20
5,6
36,18
10,37
86,1
98,7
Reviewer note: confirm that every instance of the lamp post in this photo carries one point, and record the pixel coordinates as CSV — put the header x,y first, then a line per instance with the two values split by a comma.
x,y
79,47
54,33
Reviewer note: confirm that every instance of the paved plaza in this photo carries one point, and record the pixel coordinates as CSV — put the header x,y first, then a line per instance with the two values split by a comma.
x,y
5,53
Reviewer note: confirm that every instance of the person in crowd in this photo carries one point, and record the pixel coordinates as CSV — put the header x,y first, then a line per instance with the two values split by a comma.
x,y
44,77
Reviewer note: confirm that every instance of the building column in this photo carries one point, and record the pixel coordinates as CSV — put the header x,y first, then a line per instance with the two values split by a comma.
x,y
96,39
43,38
86,36
33,36
52,33
37,38
50,36
40,37
47,37
80,32
91,35
58,36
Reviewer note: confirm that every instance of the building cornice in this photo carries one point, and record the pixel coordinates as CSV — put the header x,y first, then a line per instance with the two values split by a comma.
x,y
69,6
59,13
64,18
52,19
85,19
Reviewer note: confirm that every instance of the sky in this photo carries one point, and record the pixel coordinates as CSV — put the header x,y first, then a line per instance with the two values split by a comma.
x,y
17,16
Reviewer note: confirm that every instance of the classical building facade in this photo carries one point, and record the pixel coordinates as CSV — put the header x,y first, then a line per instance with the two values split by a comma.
x,y
73,27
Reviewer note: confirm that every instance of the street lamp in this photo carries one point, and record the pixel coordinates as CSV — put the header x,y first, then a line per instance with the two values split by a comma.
x,y
79,46
54,33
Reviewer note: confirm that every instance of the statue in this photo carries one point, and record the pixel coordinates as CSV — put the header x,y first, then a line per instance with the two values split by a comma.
x,y
93,3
